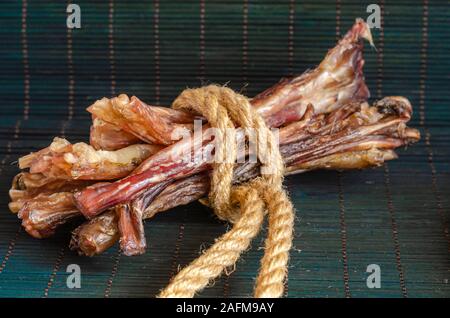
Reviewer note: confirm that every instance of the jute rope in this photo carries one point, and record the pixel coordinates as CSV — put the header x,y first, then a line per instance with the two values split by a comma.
x,y
244,205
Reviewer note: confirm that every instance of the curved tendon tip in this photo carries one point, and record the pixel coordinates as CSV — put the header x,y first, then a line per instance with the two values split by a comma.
x,y
362,30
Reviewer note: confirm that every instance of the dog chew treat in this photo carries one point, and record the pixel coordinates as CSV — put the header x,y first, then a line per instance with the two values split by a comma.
x,y
38,214
106,136
356,136
97,235
26,186
62,160
324,122
151,124
335,82
131,225
349,48
353,137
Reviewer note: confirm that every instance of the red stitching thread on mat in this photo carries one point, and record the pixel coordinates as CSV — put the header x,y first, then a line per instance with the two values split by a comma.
x,y
10,250
435,188
226,282
244,40
226,286
343,235
338,19
16,134
61,253
3,162
386,176
340,186
113,274
26,110
111,47
291,37
71,91
380,51
55,270
391,209
423,63
26,68
113,89
70,112
176,251
423,78
12,242
202,41
156,50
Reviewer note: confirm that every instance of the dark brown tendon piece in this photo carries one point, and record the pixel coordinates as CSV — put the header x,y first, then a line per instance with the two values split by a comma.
x,y
131,228
181,192
131,225
96,235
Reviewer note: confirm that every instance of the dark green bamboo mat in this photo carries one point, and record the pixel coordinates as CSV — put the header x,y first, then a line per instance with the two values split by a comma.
x,y
394,216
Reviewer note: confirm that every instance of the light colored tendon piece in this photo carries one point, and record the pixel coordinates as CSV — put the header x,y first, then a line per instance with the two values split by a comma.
x,y
152,124
106,136
26,186
62,160
344,161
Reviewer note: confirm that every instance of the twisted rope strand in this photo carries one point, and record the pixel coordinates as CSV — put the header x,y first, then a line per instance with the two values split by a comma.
x,y
224,253
273,271
223,108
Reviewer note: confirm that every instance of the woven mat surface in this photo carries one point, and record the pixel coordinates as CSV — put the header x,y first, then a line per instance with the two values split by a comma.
x,y
395,216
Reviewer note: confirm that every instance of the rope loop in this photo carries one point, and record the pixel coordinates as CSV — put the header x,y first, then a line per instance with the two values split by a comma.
x,y
225,109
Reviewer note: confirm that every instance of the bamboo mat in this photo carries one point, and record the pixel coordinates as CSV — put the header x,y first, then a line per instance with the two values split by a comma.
x,y
395,216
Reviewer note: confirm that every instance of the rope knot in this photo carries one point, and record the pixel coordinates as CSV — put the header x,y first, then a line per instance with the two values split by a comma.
x,y
225,109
